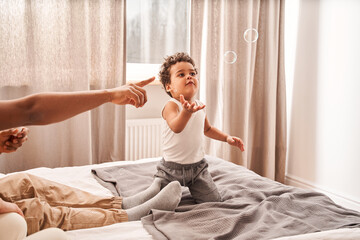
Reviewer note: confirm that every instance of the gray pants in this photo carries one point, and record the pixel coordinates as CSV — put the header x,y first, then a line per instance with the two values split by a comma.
x,y
195,176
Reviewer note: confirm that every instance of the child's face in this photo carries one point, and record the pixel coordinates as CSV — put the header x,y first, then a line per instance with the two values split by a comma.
x,y
183,81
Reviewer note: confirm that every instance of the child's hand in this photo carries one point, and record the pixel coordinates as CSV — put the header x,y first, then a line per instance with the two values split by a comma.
x,y
12,139
235,141
190,107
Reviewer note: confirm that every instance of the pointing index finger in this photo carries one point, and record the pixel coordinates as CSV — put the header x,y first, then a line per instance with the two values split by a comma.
x,y
145,82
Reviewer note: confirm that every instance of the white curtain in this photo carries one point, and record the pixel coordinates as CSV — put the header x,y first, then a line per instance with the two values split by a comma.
x,y
56,45
238,47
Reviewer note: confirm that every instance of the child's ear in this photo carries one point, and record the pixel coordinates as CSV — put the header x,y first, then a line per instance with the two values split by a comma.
x,y
168,88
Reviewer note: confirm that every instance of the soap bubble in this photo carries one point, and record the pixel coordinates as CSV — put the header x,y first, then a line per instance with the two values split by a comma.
x,y
230,57
251,35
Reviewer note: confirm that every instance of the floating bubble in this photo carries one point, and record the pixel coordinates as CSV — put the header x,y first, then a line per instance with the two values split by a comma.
x,y
251,35
230,57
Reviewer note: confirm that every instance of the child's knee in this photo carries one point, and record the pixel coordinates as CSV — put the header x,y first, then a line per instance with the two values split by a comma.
x,y
12,226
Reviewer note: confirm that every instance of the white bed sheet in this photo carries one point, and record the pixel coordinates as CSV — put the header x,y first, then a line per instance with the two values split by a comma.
x,y
82,178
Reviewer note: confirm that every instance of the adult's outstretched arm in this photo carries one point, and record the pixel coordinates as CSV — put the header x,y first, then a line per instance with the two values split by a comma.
x,y
52,107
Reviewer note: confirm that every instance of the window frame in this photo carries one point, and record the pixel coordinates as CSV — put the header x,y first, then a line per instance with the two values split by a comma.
x,y
141,71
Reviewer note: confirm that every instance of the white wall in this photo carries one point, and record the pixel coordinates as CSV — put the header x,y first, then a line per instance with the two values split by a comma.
x,y
324,104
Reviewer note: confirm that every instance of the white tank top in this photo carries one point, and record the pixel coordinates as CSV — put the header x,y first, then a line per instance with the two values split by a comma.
x,y
187,146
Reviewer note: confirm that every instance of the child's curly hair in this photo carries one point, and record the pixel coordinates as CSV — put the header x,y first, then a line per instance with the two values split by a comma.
x,y
164,73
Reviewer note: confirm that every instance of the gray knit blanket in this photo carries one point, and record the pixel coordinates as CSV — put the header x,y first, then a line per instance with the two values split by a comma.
x,y
253,207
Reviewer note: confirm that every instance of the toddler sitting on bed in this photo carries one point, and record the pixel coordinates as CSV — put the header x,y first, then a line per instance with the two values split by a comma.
x,y
186,123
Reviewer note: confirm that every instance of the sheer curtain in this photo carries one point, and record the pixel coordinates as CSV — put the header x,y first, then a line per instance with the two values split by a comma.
x,y
238,46
64,46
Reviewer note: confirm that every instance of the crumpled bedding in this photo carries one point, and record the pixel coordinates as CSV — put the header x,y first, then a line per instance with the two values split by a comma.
x,y
253,207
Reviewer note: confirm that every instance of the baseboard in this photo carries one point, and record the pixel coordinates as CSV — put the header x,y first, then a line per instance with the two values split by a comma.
x,y
337,198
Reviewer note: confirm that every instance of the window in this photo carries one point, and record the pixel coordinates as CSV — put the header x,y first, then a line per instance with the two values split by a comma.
x,y
155,29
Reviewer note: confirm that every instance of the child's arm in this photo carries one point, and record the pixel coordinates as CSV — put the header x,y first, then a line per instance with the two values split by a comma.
x,y
214,133
176,119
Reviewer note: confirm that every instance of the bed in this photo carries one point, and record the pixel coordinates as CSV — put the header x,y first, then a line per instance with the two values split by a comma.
x,y
140,174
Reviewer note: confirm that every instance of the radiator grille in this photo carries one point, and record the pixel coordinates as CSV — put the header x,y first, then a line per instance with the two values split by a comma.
x,y
143,138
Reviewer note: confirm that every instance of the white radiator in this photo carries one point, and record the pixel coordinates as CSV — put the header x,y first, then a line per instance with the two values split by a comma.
x,y
143,138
